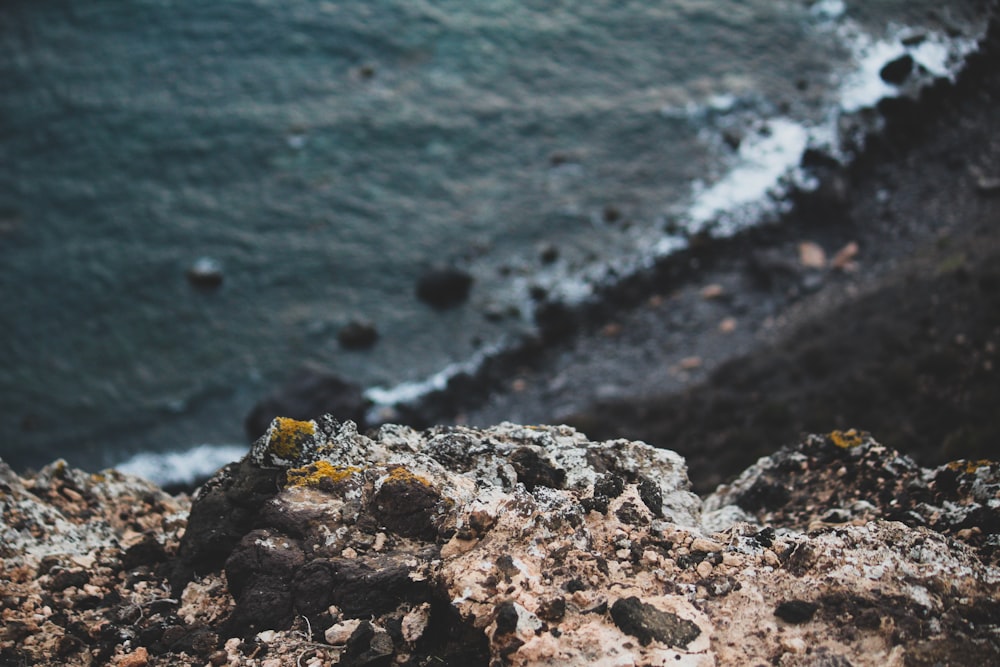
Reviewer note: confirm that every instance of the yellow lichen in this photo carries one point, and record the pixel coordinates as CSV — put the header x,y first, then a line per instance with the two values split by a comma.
x,y
401,474
315,474
286,439
846,439
968,467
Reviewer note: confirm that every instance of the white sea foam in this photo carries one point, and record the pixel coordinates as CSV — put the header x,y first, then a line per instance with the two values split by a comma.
x,y
741,196
940,55
181,467
828,9
408,392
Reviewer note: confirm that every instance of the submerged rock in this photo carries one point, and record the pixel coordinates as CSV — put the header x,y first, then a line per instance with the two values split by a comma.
x,y
357,334
444,287
512,545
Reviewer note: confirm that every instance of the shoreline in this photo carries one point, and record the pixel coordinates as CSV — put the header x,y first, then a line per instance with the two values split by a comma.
x,y
654,340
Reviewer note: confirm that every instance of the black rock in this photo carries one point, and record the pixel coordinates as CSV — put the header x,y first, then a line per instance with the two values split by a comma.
x,y
368,647
205,273
646,623
444,288
357,334
896,71
532,470
795,611
310,394
506,618
148,551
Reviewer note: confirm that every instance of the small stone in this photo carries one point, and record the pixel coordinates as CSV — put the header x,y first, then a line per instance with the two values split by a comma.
x,y
898,70
728,325
338,633
844,259
444,287
205,273
987,185
713,291
137,658
548,253
795,645
611,330
811,255
415,622
218,658
357,334
267,636
646,623
796,611
689,363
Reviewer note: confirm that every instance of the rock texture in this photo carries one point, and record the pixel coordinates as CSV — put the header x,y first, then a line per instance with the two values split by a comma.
x,y
512,545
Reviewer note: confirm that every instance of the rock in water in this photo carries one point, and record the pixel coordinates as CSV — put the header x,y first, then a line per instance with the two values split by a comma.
x,y
513,545
444,288
357,334
205,273
898,70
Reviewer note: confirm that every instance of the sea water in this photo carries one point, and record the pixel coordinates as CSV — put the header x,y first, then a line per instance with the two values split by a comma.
x,y
325,154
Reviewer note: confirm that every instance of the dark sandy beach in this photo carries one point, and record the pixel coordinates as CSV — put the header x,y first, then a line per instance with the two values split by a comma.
x,y
737,347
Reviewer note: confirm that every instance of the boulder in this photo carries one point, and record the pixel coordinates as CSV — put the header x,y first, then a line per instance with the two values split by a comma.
x,y
444,287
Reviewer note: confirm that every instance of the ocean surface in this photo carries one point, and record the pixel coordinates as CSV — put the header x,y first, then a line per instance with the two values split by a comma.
x,y
325,154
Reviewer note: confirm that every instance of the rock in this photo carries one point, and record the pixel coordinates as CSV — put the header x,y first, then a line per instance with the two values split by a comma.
x,y
844,259
357,334
520,545
310,392
444,287
205,273
713,291
796,611
548,253
811,255
898,70
646,623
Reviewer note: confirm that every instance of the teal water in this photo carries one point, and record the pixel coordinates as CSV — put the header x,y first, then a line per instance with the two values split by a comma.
x,y
326,154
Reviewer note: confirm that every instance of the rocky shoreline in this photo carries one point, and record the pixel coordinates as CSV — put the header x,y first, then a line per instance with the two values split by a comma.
x,y
733,347
873,303
509,545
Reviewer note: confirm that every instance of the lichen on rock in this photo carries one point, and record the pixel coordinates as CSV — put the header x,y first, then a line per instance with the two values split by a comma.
x,y
510,545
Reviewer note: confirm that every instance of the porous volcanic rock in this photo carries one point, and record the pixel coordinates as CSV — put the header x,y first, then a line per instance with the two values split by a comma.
x,y
511,545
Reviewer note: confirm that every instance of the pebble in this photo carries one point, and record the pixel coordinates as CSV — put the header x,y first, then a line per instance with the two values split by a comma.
x,y
689,363
728,325
205,273
338,633
844,259
811,255
713,291
357,334
137,658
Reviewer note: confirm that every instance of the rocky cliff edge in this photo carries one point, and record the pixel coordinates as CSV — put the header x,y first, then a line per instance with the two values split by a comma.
x,y
511,545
